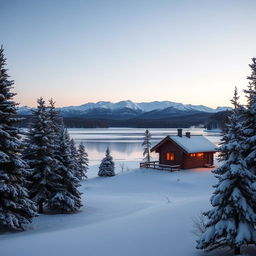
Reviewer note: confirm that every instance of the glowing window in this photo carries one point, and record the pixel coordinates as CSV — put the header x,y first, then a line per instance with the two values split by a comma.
x,y
170,156
200,155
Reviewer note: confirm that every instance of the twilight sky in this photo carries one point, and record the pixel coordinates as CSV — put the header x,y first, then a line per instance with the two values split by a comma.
x,y
89,50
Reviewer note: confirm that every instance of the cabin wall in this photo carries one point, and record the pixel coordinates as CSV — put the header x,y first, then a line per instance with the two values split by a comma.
x,y
195,162
169,146
182,159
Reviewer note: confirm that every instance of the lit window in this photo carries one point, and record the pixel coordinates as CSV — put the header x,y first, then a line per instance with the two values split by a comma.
x,y
200,155
170,156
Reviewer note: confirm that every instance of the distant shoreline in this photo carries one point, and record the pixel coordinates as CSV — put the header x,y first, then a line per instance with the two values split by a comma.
x,y
200,121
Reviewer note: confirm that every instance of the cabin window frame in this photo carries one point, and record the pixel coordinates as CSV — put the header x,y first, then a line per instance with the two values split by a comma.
x,y
197,155
170,156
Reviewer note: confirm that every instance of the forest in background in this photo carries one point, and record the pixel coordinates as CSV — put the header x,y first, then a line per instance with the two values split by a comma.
x,y
203,119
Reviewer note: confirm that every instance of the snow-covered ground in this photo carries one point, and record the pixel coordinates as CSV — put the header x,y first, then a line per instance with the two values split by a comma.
x,y
138,212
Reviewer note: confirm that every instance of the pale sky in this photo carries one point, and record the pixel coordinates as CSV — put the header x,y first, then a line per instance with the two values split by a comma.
x,y
194,52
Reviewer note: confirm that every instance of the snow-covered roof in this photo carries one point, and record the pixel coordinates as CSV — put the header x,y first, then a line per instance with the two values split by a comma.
x,y
194,144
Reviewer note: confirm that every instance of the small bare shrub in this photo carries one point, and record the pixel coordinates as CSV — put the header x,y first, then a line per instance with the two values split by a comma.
x,y
199,224
122,166
168,200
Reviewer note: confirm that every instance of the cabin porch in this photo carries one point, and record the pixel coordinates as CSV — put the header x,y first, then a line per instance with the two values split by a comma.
x,y
158,166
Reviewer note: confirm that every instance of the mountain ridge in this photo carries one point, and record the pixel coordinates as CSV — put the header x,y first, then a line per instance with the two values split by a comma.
x,y
139,107
129,114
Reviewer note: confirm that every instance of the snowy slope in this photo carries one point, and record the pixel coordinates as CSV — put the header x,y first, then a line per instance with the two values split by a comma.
x,y
141,212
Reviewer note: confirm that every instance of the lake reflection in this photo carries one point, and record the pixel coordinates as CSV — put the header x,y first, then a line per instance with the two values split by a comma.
x,y
125,143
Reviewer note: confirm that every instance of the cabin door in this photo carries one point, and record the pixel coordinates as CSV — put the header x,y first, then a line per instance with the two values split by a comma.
x,y
207,159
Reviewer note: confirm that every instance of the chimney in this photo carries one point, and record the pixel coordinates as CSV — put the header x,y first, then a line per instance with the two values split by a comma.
x,y
180,132
188,134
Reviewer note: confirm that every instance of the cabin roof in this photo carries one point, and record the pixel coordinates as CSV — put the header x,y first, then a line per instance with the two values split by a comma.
x,y
193,144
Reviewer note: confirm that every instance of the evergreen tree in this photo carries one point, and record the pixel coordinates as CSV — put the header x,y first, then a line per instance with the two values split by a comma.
x,y
40,156
147,145
16,209
223,151
83,162
55,120
55,126
74,158
107,166
232,220
65,198
249,121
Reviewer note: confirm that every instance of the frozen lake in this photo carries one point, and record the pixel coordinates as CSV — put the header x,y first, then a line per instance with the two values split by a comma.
x,y
125,143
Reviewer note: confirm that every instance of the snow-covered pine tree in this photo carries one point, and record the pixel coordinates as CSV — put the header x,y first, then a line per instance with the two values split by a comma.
x,y
249,120
65,197
55,124
40,156
223,151
55,119
147,145
74,158
83,162
16,209
107,166
232,220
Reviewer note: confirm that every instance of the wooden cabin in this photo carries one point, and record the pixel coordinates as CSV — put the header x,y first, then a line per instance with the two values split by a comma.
x,y
188,151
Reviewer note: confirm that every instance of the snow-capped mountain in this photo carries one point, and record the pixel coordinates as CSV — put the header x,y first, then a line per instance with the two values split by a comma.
x,y
103,105
218,109
130,107
24,110
159,105
142,106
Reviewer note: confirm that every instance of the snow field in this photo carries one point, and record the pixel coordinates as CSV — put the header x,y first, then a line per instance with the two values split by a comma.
x,y
138,212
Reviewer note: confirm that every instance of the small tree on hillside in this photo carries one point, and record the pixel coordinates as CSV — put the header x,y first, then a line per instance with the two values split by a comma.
x,y
232,220
107,166
16,210
147,145
82,161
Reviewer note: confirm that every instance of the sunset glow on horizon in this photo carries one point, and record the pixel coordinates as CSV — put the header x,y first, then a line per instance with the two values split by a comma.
x,y
193,52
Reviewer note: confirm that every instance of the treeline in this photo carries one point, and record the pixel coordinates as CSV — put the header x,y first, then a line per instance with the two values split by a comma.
x,y
69,122
218,120
209,120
